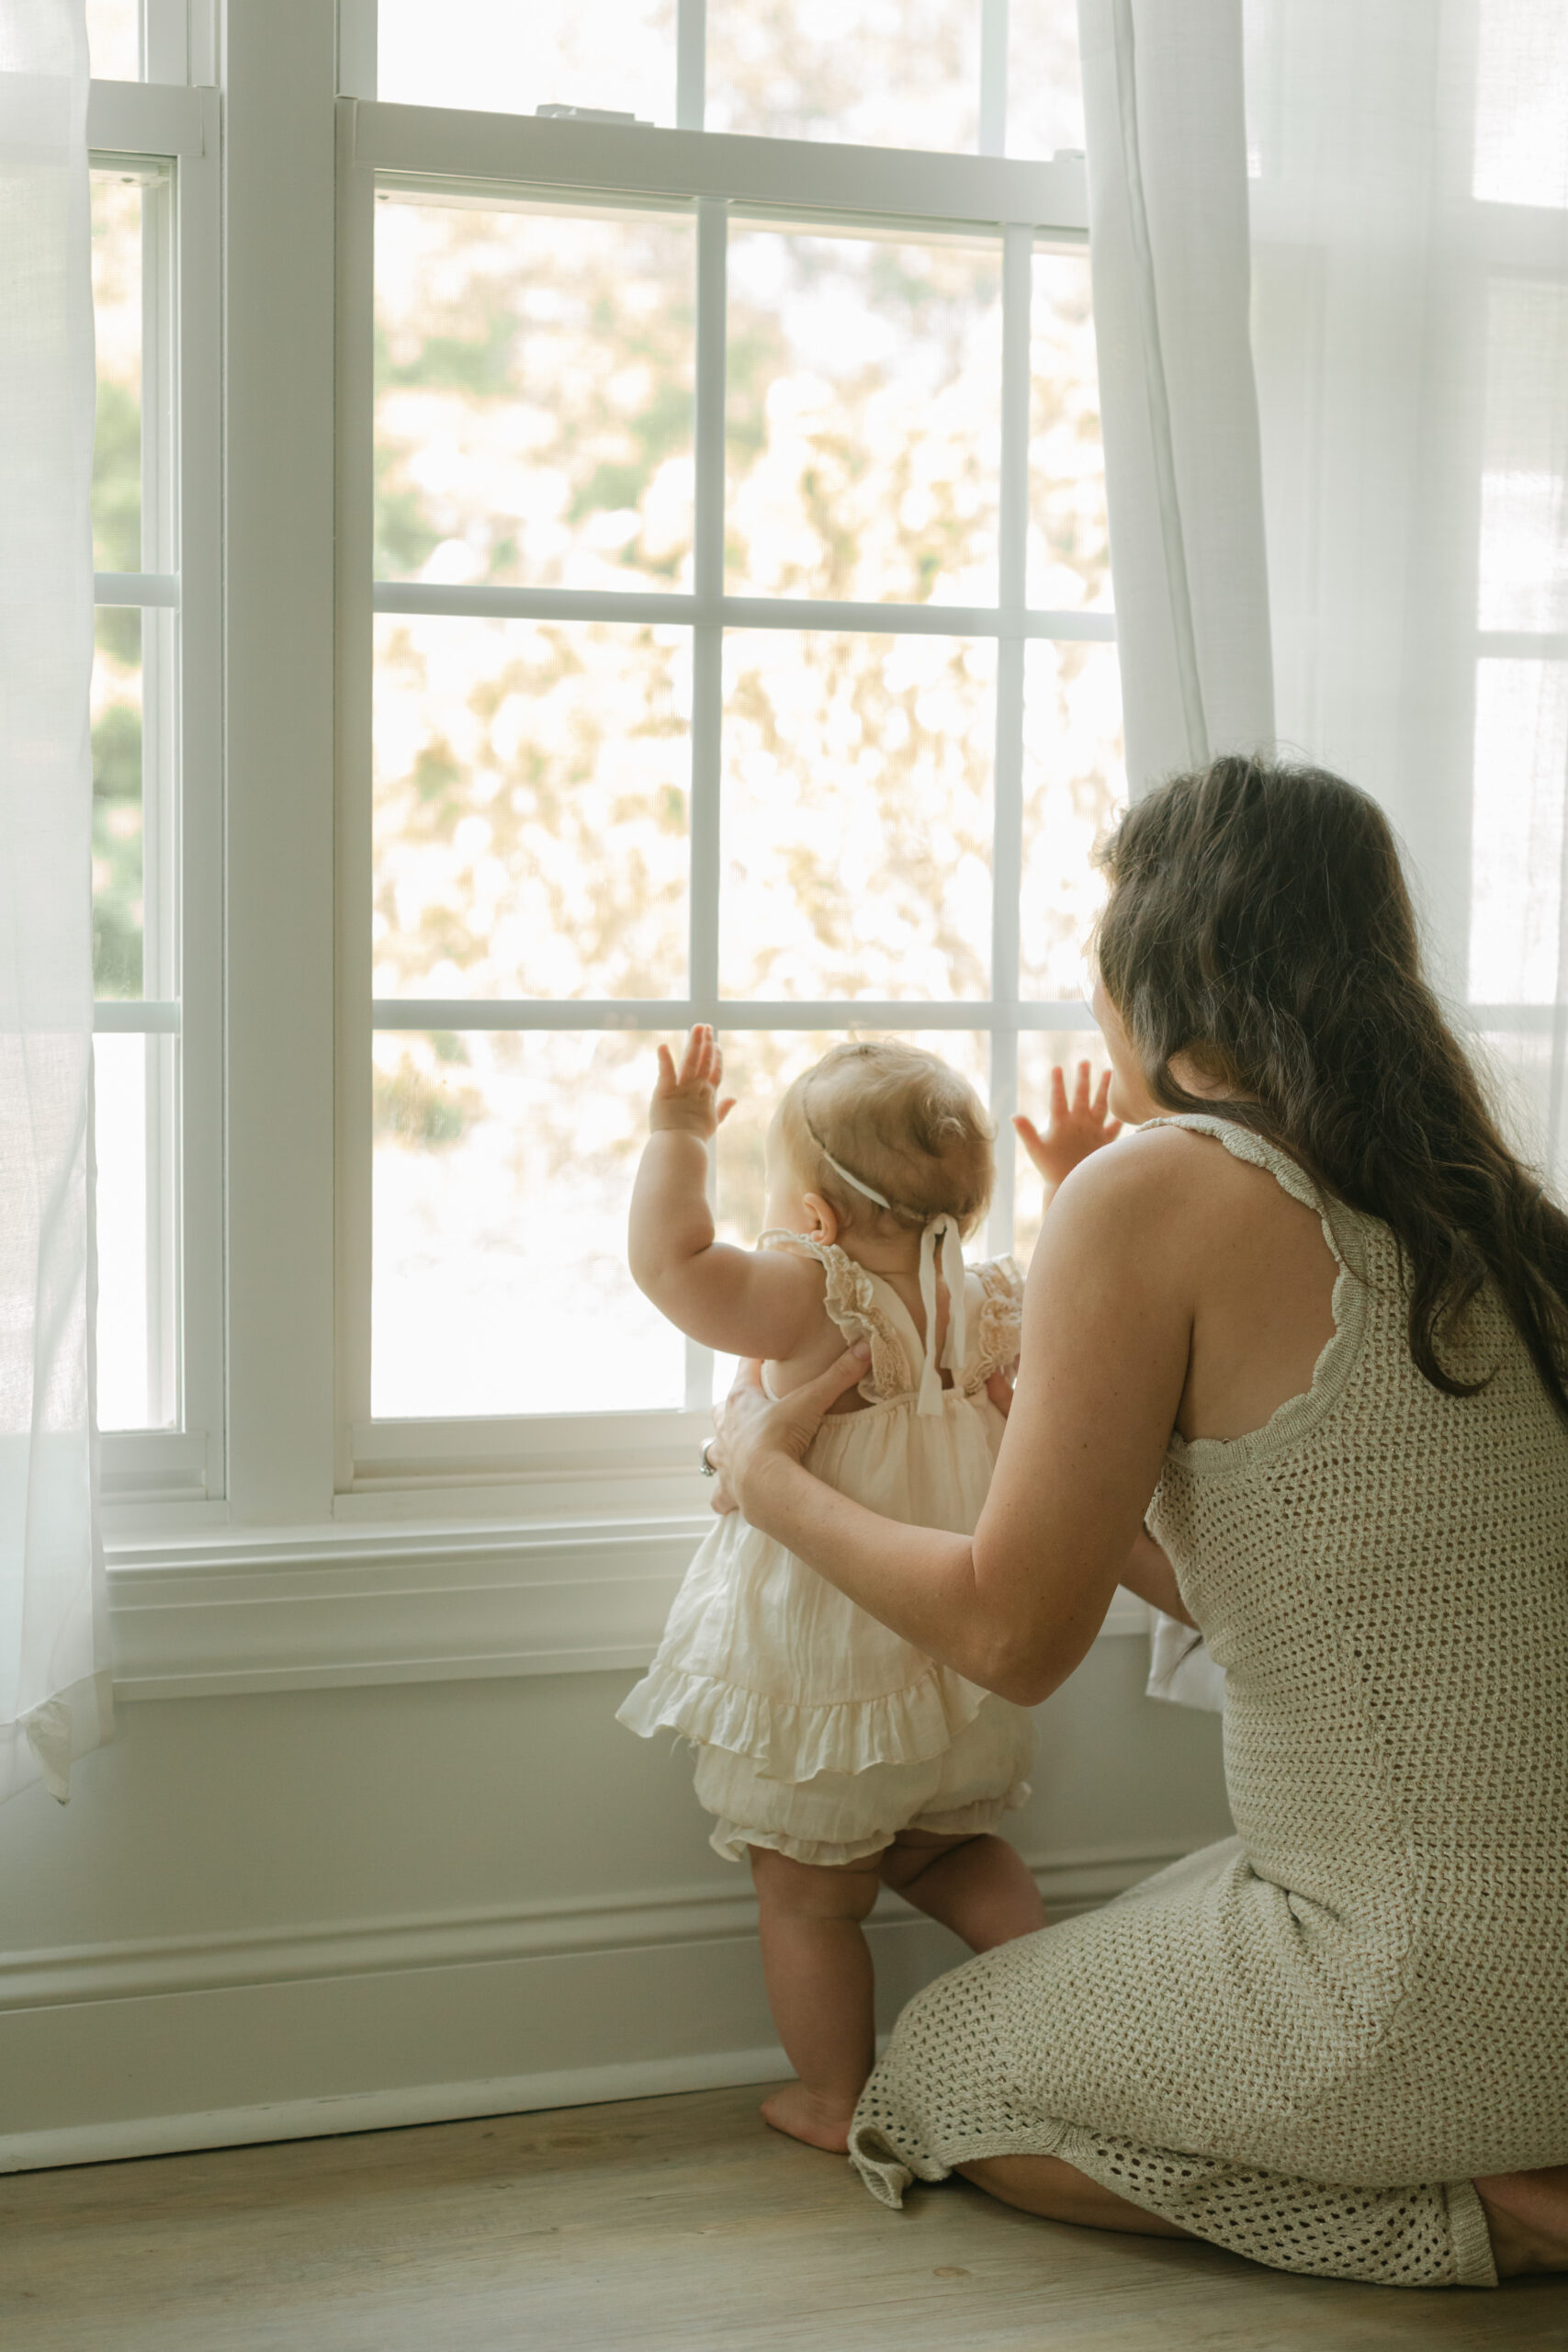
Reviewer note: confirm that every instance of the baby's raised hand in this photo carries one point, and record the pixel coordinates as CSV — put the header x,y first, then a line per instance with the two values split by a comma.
x,y
686,1100
1073,1129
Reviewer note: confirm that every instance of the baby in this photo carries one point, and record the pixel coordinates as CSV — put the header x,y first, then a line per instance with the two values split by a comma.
x,y
834,1757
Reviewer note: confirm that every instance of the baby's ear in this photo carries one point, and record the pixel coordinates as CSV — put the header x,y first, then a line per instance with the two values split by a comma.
x,y
824,1217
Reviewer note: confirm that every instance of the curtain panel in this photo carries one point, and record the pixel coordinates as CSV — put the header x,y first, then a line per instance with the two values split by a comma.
x,y
54,1682
1330,246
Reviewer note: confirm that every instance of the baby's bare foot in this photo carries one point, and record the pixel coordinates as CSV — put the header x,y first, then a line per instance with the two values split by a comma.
x,y
819,2122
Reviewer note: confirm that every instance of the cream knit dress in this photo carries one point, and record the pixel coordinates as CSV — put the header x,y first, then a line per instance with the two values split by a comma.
x,y
1304,2043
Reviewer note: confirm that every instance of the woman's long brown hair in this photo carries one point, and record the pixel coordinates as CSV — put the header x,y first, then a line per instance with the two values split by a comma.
x,y
1258,922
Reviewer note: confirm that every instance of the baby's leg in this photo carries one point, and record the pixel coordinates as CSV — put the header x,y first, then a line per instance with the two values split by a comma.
x,y
980,1887
818,1972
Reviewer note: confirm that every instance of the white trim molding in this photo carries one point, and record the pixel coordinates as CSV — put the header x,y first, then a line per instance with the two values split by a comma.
x,y
228,2026
221,1612
802,177
1078,1879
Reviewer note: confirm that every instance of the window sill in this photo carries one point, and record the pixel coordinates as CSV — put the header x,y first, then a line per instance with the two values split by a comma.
x,y
220,1611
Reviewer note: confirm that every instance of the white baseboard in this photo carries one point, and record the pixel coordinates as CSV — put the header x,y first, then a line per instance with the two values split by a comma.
x,y
115,2050
157,1967
316,2119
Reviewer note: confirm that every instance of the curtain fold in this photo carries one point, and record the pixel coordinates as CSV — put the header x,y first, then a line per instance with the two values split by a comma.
x,y
54,1681
1167,193
1330,242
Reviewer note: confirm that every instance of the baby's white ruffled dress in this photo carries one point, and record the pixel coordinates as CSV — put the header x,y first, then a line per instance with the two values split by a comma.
x,y
818,1731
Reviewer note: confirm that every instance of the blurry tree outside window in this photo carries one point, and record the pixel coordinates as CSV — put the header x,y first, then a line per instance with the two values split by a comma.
x,y
534,838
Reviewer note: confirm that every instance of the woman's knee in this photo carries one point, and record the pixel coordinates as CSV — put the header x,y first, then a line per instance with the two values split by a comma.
x,y
815,1890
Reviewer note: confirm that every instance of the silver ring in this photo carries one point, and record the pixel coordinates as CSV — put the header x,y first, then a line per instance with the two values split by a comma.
x,y
709,1469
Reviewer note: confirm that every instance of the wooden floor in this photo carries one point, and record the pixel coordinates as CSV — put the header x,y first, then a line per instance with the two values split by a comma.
x,y
666,2226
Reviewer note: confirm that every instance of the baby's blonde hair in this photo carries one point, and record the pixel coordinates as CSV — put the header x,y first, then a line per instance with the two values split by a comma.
x,y
900,1120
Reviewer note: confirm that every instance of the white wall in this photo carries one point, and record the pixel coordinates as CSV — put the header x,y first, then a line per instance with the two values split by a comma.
x,y
318,1910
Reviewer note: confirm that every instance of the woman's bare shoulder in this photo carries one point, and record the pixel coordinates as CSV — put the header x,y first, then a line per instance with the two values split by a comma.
x,y
1157,1180
1145,1167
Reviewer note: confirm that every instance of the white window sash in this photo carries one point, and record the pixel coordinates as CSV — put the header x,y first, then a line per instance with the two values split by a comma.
x,y
1032,206
179,595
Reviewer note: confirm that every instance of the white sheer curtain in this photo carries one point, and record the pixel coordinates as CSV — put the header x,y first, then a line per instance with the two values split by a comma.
x,y
1331,290
54,1682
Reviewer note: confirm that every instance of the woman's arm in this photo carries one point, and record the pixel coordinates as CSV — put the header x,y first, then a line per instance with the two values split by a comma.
x,y
1148,1572
1150,1575
1107,1319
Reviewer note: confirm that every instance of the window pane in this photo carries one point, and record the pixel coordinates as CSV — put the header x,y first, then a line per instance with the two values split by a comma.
x,y
1069,545
116,326
503,1162
118,901
133,1116
531,796
1521,755
1524,483
113,40
1074,782
507,59
534,395
863,398
1044,87
875,73
857,816
1038,1049
1521,104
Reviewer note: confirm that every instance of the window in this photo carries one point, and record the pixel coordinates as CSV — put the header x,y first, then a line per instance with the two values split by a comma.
x,y
724,632
154,729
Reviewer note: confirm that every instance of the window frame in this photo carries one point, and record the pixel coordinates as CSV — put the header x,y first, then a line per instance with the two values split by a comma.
x,y
144,1472
463,1461
274,1586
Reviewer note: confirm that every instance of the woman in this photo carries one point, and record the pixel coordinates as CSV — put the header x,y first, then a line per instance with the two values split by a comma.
x,y
1314,1325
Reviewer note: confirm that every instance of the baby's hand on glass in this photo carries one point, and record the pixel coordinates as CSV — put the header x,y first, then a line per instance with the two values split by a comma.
x,y
1073,1129
686,1100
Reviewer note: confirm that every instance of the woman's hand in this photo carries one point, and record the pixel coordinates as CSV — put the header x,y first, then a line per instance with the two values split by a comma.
x,y
753,1431
1072,1129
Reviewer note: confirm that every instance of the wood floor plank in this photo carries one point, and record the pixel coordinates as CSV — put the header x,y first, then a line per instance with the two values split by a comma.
x,y
667,2225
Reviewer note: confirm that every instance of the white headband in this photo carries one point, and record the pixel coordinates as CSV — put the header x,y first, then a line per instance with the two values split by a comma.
x,y
942,1227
